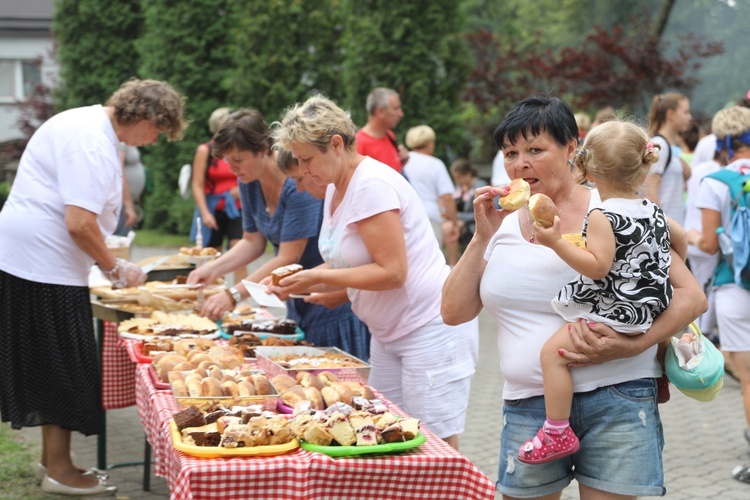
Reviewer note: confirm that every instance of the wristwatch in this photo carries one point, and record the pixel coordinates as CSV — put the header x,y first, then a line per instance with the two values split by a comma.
x,y
234,294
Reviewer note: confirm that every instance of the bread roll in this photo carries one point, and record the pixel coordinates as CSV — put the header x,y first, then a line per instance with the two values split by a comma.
x,y
262,385
205,365
176,376
344,391
179,389
314,397
200,357
293,395
246,388
230,388
227,357
185,366
306,379
216,373
518,195
327,378
543,210
360,389
210,387
330,396
164,368
194,388
282,382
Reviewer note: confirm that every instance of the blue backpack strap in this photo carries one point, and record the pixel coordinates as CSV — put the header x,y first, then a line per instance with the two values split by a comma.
x,y
734,181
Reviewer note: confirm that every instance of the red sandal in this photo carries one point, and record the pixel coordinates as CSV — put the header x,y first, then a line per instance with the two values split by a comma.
x,y
546,447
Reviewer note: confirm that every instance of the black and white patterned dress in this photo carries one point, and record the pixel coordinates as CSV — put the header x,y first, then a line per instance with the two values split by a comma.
x,y
637,287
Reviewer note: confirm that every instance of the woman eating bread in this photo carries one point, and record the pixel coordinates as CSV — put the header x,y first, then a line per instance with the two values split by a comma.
x,y
505,270
274,210
377,242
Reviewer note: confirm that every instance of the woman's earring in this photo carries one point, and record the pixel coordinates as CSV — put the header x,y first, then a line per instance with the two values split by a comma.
x,y
570,162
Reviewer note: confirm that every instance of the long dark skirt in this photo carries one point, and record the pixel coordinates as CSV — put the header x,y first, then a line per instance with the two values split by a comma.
x,y
49,373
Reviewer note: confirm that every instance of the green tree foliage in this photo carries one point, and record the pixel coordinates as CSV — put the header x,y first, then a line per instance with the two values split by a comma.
x,y
96,48
415,48
285,51
723,79
184,43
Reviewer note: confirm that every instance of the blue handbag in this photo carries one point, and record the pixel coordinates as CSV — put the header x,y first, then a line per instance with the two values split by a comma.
x,y
702,376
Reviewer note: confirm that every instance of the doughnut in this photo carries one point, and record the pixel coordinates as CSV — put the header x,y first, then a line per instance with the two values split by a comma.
x,y
518,195
542,210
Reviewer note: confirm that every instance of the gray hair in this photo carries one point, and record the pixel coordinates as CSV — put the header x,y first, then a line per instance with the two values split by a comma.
x,y
378,98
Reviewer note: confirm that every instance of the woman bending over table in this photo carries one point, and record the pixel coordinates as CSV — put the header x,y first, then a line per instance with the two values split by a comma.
x,y
66,197
273,210
377,242
614,407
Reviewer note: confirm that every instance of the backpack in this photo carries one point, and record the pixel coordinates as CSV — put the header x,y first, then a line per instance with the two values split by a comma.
x,y
737,269
185,179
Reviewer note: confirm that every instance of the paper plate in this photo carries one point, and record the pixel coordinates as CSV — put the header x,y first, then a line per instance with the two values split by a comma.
x,y
352,451
219,452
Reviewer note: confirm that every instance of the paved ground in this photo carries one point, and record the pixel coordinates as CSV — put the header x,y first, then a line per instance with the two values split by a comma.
x,y
704,441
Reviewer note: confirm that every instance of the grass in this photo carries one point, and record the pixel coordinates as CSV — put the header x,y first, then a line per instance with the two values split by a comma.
x,y
149,238
16,473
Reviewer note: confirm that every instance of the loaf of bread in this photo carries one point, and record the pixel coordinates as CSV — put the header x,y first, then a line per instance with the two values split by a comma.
x,y
282,272
316,399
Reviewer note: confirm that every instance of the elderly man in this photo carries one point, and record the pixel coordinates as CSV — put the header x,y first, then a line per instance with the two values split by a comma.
x,y
376,139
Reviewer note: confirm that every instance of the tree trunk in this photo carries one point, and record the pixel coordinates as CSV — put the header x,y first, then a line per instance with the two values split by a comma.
x,y
662,17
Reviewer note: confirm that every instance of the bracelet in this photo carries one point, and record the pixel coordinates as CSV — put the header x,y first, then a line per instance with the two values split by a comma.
x,y
231,297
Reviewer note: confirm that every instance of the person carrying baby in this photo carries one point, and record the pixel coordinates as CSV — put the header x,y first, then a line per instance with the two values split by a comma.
x,y
624,269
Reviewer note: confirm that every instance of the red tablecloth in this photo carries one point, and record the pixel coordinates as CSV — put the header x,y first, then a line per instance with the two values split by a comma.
x,y
118,370
431,471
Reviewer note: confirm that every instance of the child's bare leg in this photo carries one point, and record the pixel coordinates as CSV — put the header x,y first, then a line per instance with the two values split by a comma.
x,y
558,382
555,439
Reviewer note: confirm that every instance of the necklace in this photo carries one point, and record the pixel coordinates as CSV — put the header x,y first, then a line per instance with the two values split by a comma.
x,y
531,224
271,197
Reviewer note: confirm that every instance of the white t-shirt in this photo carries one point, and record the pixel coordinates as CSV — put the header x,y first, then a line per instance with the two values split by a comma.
x,y
72,159
705,150
430,180
693,214
499,175
517,288
672,186
372,190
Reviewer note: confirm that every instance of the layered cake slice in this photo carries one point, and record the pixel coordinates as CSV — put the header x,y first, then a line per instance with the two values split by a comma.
x,y
341,430
364,428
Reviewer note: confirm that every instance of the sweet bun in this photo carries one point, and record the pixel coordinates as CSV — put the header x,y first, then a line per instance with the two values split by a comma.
x,y
543,210
518,195
246,388
330,396
316,399
184,366
344,391
327,378
306,379
262,385
293,395
211,387
230,388
283,382
179,389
